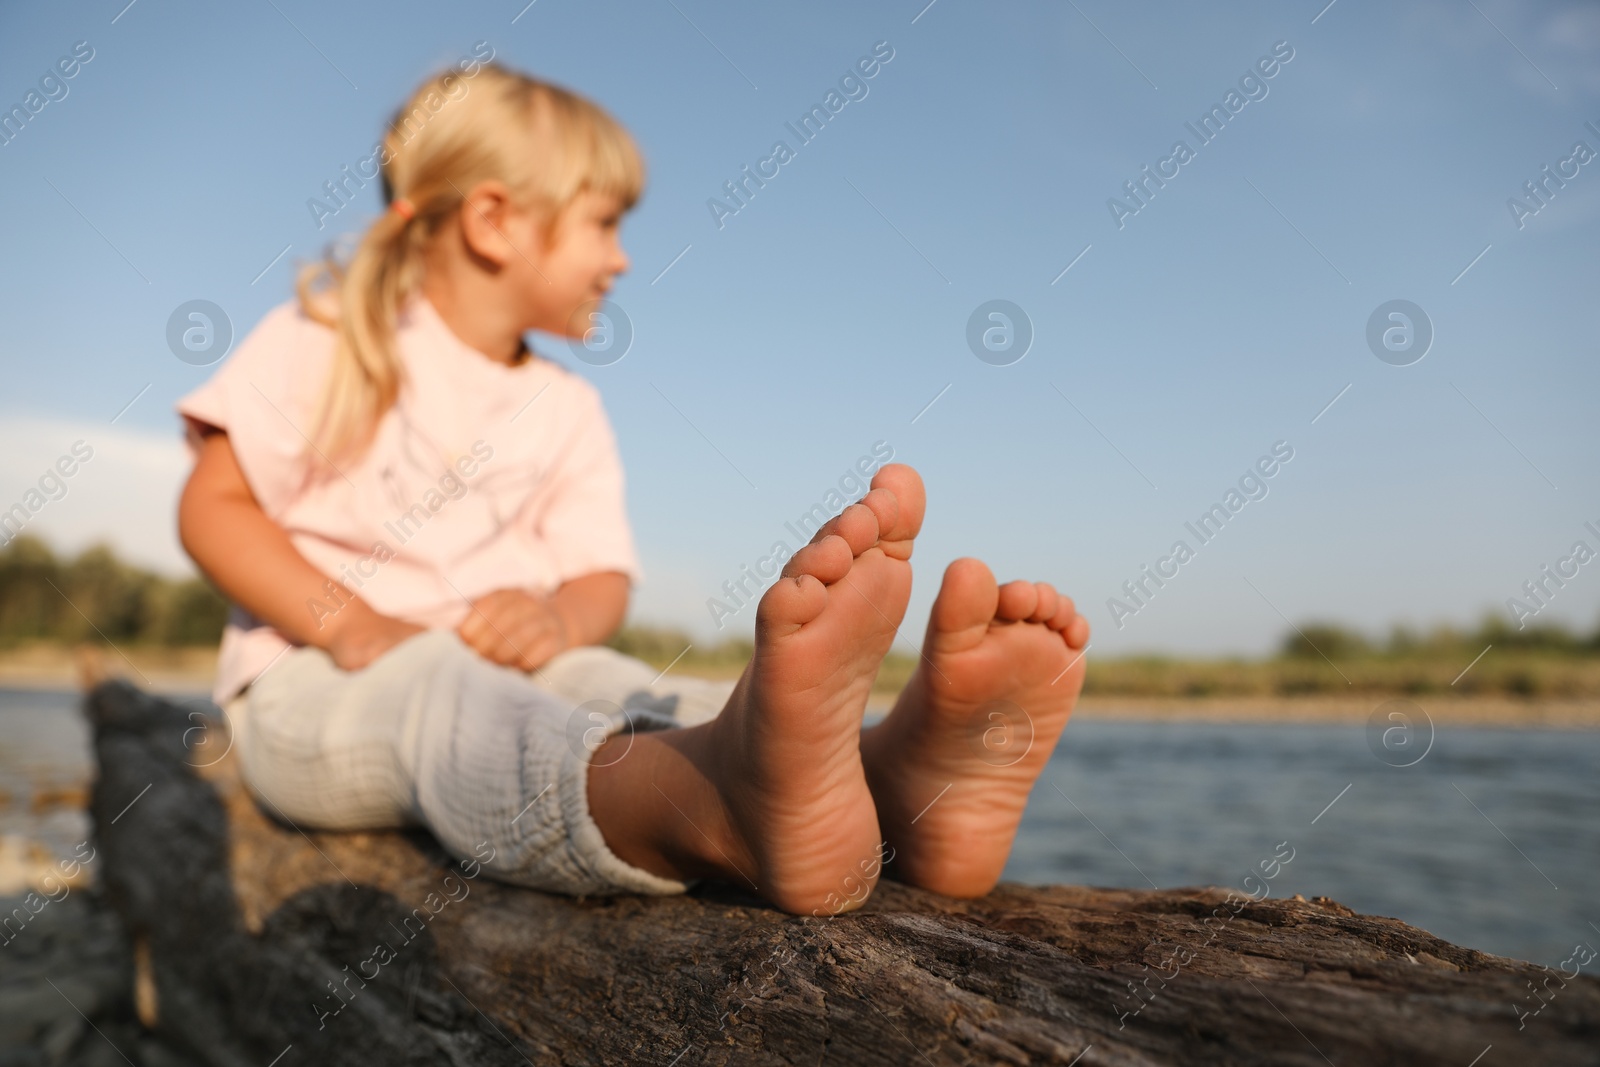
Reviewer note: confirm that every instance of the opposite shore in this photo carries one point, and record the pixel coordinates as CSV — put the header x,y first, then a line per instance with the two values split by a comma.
x,y
189,671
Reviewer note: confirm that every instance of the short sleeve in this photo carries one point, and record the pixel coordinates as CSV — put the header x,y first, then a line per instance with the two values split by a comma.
x,y
265,398
585,524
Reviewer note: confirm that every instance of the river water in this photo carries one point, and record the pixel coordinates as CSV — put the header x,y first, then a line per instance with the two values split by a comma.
x,y
1491,839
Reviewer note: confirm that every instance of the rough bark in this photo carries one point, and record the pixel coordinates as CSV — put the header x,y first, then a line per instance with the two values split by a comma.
x,y
248,925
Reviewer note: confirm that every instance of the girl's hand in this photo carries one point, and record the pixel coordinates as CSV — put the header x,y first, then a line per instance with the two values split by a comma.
x,y
364,636
514,629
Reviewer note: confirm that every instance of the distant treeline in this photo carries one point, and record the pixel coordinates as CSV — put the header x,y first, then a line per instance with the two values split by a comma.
x,y
1547,661
95,596
1494,659
1315,640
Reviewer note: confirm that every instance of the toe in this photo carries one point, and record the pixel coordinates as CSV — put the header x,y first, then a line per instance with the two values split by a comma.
x,y
791,602
899,529
966,599
1066,611
1048,599
1077,632
827,560
1017,601
857,525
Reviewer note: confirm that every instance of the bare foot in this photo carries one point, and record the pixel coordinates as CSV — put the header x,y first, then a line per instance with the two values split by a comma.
x,y
953,764
771,793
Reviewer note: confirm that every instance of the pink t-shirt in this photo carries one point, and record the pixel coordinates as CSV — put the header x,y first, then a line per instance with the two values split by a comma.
x,y
482,476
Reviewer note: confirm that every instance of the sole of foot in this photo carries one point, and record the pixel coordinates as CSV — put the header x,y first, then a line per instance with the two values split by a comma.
x,y
952,766
784,754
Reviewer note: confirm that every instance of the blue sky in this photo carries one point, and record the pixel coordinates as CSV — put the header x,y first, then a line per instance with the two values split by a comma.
x,y
1221,318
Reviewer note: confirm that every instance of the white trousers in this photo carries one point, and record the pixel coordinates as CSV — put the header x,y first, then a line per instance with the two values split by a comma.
x,y
493,761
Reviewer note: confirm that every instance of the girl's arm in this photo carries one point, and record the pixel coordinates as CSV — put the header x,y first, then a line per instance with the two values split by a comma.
x,y
593,606
251,559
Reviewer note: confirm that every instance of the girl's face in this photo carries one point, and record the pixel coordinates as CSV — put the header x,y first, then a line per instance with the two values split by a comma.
x,y
575,271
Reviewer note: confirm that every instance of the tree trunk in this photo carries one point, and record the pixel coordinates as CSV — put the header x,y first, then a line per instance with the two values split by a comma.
x,y
255,941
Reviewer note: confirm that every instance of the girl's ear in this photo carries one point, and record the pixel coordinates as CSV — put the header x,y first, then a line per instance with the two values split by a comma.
x,y
491,223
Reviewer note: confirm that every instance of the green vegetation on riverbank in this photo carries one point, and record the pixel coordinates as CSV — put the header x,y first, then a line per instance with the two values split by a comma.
x,y
1543,662
94,597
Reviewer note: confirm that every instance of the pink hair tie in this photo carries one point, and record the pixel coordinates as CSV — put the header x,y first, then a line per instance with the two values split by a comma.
x,y
404,208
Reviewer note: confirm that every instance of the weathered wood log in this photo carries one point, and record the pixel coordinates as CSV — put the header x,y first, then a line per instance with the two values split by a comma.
x,y
261,941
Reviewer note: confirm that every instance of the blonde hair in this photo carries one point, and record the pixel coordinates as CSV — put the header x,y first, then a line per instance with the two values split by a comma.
x,y
544,142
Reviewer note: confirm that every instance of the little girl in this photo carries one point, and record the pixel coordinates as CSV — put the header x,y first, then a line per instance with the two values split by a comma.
x,y
421,524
